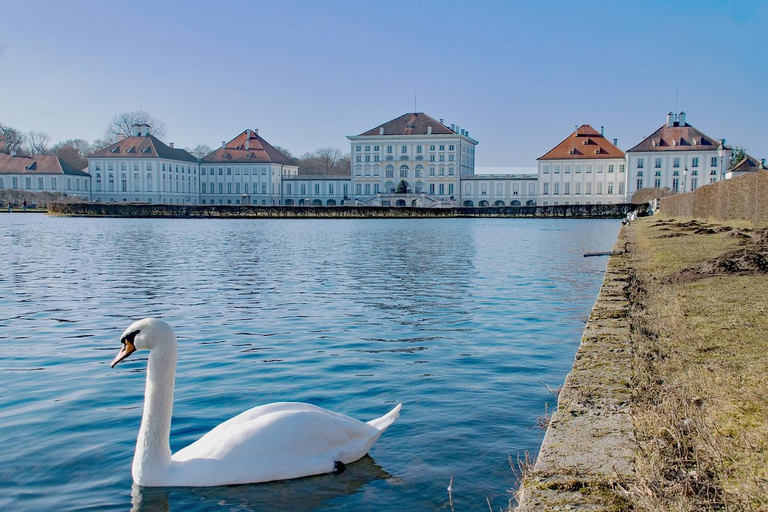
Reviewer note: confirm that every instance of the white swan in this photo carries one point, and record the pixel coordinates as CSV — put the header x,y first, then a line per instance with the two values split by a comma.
x,y
271,442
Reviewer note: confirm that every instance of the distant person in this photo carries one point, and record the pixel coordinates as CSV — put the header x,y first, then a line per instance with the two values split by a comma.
x,y
10,206
24,206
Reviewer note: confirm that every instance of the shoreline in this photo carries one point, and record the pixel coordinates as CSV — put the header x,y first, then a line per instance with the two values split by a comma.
x,y
143,210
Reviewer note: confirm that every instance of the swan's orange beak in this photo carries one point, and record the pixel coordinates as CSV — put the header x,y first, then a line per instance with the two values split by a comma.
x,y
128,349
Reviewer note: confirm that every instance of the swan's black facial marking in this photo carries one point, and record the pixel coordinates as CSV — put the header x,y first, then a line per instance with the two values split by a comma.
x,y
130,337
128,347
339,467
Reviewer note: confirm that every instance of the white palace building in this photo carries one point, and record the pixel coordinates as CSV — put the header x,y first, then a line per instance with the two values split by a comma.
x,y
412,160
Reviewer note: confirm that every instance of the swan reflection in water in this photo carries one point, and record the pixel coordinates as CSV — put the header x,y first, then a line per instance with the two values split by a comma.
x,y
301,495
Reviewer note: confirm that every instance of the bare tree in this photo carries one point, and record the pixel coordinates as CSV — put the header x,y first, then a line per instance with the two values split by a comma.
x,y
14,139
37,143
285,151
73,151
199,151
328,158
121,125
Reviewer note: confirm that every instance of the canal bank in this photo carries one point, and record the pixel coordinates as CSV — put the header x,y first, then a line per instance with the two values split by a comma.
x,y
143,210
665,406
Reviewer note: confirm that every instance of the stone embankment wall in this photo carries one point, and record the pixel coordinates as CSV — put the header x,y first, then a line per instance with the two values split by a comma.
x,y
742,198
606,211
589,439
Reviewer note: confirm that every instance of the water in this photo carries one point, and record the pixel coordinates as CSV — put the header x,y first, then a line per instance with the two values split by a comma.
x,y
464,321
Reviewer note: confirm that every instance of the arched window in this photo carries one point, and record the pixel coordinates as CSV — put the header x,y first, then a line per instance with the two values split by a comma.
x,y
390,172
403,171
419,187
419,171
389,187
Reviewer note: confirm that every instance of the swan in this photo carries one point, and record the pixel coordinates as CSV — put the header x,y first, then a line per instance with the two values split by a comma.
x,y
278,441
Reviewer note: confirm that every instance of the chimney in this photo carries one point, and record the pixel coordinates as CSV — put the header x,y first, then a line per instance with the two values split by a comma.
x,y
681,118
441,120
458,129
602,131
381,130
247,144
145,130
135,130
453,126
722,142
223,143
429,130
763,162
170,145
670,120
616,142
256,131
466,132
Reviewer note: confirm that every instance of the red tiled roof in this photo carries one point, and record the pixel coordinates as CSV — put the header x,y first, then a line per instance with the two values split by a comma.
x,y
747,164
677,138
43,164
143,147
248,147
585,143
414,123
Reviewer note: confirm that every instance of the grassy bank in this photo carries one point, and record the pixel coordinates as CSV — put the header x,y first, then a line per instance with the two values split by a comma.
x,y
699,320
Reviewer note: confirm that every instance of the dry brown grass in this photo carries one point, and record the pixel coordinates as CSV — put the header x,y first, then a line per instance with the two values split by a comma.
x,y
700,405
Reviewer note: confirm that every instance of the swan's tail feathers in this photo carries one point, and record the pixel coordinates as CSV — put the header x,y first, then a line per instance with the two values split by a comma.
x,y
385,421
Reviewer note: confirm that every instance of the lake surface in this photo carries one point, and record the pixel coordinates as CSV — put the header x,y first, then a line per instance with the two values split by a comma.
x,y
464,321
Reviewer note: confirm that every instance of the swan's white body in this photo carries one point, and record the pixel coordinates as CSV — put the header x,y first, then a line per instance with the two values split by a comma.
x,y
277,441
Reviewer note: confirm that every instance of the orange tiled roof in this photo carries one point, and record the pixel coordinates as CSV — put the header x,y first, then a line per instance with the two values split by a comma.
x,y
248,147
41,164
143,147
677,138
585,143
412,123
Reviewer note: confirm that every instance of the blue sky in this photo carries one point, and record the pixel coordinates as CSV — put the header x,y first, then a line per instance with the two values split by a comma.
x,y
517,75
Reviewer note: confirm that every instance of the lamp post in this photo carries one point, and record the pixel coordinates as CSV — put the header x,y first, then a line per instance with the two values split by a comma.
x,y
685,179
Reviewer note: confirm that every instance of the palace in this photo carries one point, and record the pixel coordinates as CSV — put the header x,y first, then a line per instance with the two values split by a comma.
x,y
411,160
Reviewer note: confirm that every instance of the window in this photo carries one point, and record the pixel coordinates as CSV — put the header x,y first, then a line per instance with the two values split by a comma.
x,y
403,171
390,171
432,188
404,149
375,158
600,168
358,148
221,171
589,167
40,185
640,163
419,171
483,189
450,189
418,149
695,161
375,148
263,188
450,158
657,163
600,187
389,149
358,189
330,188
639,183
367,189
432,147
237,188
610,168
557,188
442,147
367,158
442,158
358,158
621,167
556,168
621,187
221,188
303,189
450,171
367,148
676,162
546,189
431,158
589,187
567,187
442,189
431,171
567,168
578,188
122,166
545,169
694,183
317,189
713,162
202,188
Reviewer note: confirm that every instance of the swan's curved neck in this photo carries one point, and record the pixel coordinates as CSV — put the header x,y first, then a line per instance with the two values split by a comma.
x,y
153,450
